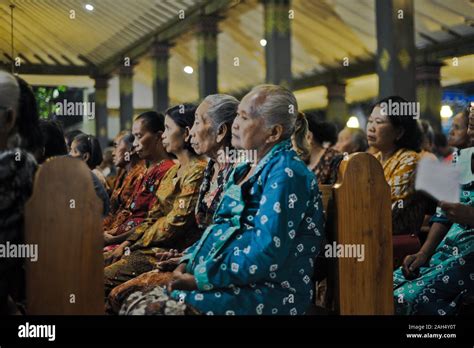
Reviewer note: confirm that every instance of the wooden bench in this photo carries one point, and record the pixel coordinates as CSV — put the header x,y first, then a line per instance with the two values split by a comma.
x,y
358,211
63,218
68,275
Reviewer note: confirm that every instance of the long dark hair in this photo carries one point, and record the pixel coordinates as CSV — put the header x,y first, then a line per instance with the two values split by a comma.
x,y
53,137
323,131
27,122
183,115
69,136
412,134
89,144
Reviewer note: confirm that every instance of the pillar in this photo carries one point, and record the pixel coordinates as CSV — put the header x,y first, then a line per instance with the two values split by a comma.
x,y
126,96
429,92
278,36
160,83
396,48
207,55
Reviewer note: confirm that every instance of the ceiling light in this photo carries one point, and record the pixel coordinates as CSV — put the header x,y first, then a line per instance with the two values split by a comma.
x,y
352,122
446,111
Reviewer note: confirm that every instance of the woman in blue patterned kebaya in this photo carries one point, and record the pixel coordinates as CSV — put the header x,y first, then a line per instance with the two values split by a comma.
x,y
258,255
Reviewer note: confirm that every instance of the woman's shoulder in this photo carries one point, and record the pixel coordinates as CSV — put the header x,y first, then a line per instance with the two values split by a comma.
x,y
196,167
17,170
17,161
290,163
198,164
407,155
330,153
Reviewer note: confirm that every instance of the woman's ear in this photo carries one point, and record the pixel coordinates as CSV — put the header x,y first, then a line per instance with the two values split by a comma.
x,y
159,135
86,156
275,134
187,134
221,132
309,138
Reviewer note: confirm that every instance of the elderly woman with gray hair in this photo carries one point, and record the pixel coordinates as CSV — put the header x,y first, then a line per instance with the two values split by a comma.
x,y
19,138
257,256
211,137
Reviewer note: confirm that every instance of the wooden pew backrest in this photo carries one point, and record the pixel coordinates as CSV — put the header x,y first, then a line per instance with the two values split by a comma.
x,y
358,212
63,218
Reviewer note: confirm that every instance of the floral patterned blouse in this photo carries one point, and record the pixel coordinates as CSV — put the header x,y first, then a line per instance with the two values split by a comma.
x,y
408,209
170,223
327,167
17,169
258,255
210,193
143,197
123,189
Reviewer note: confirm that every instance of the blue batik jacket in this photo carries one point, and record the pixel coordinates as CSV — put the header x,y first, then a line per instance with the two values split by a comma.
x,y
258,255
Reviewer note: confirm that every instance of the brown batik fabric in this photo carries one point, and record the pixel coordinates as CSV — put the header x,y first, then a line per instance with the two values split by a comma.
x,y
144,282
155,301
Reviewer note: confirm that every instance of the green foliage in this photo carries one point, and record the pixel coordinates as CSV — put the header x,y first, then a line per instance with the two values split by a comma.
x,y
46,99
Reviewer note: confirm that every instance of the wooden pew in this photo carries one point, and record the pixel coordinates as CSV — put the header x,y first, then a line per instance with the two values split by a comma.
x,y
63,217
358,211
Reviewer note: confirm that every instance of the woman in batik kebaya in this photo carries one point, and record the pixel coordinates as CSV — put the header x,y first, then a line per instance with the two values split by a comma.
x,y
440,276
131,170
437,279
398,140
170,223
211,137
258,255
147,130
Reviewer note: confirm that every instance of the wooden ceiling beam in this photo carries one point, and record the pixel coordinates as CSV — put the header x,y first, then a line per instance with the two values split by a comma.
x,y
167,32
454,48
46,69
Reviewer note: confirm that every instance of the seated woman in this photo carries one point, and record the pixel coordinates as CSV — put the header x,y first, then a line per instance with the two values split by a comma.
x,y
170,223
458,136
398,139
69,138
148,128
437,278
53,140
131,169
427,142
17,168
210,136
323,160
299,139
351,140
87,148
257,256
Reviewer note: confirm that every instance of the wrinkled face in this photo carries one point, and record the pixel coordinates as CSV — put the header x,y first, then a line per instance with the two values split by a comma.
x,y
145,142
248,130
203,138
174,137
121,155
344,142
470,130
380,132
458,136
